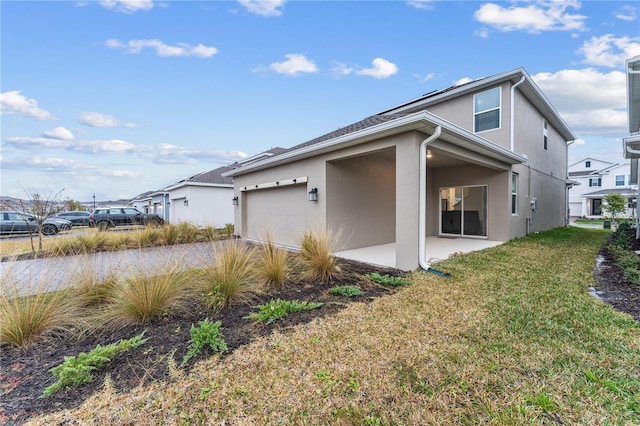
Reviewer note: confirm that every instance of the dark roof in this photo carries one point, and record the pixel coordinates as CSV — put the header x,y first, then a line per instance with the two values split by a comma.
x,y
583,173
212,176
360,125
624,191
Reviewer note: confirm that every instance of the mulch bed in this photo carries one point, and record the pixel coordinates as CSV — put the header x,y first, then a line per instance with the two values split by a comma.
x,y
24,374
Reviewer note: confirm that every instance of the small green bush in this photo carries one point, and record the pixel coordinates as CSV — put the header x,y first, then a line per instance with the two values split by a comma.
x,y
386,280
75,371
346,291
276,309
228,229
206,334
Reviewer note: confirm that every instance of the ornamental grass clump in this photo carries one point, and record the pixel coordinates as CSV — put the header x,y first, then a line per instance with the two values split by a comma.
x,y
230,278
187,233
316,256
28,317
272,266
146,296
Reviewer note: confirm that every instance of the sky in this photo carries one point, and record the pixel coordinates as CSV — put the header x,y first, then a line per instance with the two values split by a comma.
x,y
118,97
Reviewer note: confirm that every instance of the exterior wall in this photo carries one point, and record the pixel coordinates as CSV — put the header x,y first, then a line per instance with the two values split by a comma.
x,y
460,112
363,198
207,205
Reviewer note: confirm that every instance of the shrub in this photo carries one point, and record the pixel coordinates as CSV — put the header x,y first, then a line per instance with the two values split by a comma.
x,y
273,265
24,319
77,371
346,291
209,233
230,278
147,295
316,258
386,280
148,236
276,309
228,229
206,334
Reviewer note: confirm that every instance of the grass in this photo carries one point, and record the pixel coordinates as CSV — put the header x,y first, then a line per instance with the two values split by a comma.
x,y
88,240
230,277
512,338
145,295
25,319
272,266
316,255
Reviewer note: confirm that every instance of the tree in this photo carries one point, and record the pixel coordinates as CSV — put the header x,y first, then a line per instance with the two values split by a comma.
x,y
73,205
614,204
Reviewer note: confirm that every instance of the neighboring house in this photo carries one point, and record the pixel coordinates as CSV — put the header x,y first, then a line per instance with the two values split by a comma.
x,y
482,160
155,202
205,199
631,144
595,179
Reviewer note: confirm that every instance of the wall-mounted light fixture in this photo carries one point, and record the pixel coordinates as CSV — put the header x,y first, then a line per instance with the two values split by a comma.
x,y
234,201
429,155
186,202
313,194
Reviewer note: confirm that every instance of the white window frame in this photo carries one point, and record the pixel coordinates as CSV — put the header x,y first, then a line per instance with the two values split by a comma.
x,y
597,183
618,183
484,111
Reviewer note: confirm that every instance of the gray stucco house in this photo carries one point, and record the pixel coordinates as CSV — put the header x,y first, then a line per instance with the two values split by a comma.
x,y
483,160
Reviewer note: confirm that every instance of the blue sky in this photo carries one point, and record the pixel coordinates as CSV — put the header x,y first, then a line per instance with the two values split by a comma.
x,y
119,97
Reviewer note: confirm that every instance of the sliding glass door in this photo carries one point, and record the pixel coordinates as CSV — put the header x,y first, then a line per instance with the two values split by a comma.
x,y
463,211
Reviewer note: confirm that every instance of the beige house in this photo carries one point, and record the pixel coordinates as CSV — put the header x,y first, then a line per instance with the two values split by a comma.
x,y
482,161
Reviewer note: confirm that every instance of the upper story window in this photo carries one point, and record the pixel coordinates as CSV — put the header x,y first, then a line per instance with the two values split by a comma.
x,y
587,164
619,180
595,181
545,133
486,110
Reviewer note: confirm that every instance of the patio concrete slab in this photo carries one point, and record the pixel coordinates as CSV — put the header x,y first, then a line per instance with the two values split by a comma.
x,y
437,248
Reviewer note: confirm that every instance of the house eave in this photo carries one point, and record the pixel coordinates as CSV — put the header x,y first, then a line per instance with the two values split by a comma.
x,y
529,89
421,121
200,184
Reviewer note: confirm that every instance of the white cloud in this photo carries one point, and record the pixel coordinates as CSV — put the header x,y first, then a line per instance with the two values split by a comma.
x,y
340,70
626,13
27,143
162,49
127,6
96,119
381,69
422,4
264,7
60,133
13,102
532,17
609,51
294,65
591,102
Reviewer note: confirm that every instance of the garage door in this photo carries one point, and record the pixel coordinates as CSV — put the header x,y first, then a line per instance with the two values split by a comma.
x,y
280,211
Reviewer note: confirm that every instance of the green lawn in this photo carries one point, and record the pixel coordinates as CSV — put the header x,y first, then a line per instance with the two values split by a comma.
x,y
512,338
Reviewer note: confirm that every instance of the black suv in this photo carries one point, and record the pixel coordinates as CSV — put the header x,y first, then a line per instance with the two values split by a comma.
x,y
109,217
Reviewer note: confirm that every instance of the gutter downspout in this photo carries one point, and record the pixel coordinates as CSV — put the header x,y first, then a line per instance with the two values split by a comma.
x,y
512,136
422,208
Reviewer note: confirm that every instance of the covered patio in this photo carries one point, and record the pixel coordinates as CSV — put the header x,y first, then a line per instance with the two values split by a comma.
x,y
437,248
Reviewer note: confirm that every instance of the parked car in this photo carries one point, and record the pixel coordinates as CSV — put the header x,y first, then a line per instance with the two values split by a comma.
x,y
24,223
110,217
77,218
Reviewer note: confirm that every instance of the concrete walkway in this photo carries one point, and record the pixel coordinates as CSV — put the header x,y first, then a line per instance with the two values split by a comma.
x,y
57,273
